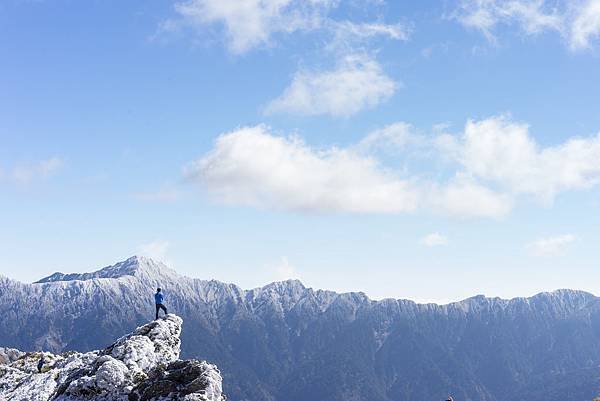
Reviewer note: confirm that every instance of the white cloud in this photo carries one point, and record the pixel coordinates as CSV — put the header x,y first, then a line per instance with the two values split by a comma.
x,y
586,25
251,166
577,21
357,83
551,246
464,197
434,239
156,250
347,34
497,160
481,172
26,173
502,152
396,31
532,16
251,23
397,136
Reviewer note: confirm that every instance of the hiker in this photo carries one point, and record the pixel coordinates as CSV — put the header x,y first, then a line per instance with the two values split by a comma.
x,y
40,364
158,297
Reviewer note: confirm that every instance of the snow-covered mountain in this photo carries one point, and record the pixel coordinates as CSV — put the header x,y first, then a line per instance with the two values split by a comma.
x,y
137,266
286,342
142,366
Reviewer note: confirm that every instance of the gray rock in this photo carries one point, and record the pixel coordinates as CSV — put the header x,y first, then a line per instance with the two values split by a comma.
x,y
143,365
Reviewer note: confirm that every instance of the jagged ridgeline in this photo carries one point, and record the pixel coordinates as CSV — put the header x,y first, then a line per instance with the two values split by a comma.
x,y
142,366
285,342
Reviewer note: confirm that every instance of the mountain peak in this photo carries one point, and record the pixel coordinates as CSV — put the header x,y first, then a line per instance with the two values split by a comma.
x,y
137,266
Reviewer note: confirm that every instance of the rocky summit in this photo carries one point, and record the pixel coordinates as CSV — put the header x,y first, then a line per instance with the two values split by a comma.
x,y
141,366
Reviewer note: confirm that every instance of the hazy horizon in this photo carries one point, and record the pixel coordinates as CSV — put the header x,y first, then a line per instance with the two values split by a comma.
x,y
307,285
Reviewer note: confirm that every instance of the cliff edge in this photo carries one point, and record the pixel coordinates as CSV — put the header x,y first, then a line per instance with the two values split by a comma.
x,y
141,366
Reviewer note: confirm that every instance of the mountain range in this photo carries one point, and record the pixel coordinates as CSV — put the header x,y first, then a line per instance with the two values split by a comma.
x,y
286,342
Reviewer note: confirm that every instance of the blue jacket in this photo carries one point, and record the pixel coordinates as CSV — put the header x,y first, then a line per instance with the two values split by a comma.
x,y
158,297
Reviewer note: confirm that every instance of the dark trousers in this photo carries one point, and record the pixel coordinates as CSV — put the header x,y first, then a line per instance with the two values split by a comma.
x,y
159,307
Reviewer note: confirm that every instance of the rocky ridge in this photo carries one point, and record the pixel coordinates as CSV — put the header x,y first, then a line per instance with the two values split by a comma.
x,y
142,366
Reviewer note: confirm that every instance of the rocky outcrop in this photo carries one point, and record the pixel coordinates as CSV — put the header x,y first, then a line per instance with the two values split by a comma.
x,y
8,355
142,366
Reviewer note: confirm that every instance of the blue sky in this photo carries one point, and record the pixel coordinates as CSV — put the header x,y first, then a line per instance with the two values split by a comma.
x,y
429,150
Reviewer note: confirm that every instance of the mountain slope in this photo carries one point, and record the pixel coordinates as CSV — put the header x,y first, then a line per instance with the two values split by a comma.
x,y
286,342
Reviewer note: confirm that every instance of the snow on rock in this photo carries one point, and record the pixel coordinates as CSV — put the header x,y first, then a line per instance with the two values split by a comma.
x,y
8,355
142,366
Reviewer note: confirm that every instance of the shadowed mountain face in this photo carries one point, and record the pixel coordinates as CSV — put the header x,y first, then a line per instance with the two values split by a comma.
x,y
286,342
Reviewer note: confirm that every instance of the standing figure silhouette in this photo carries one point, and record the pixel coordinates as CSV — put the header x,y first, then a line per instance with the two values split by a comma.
x,y
159,298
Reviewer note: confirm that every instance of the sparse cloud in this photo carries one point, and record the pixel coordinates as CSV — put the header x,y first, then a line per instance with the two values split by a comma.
x,y
393,136
397,31
532,16
551,246
358,82
156,250
586,25
347,35
578,22
24,174
355,82
480,172
434,239
248,24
